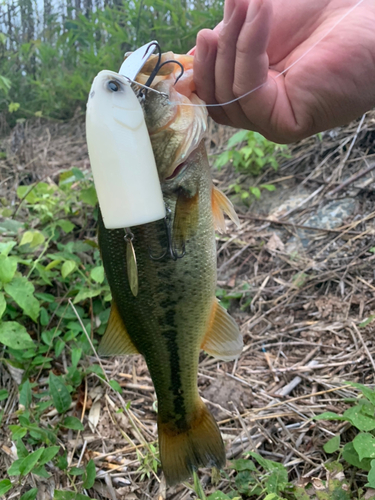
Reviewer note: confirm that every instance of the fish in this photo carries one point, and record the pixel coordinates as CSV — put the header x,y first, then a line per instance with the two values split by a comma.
x,y
175,313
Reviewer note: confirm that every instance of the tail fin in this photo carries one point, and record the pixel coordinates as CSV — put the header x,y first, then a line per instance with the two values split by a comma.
x,y
183,451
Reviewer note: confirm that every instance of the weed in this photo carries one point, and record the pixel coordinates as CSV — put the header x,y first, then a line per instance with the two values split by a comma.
x,y
42,266
249,152
360,451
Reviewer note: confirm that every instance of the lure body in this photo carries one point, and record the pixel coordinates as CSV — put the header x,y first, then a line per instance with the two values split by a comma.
x,y
175,313
121,156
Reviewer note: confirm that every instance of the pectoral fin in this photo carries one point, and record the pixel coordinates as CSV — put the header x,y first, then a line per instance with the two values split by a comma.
x,y
116,340
220,205
185,219
223,339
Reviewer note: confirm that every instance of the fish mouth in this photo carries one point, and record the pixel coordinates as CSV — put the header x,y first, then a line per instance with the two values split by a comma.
x,y
176,117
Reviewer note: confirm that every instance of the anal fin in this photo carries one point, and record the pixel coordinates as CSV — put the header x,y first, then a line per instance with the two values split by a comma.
x,y
220,205
116,340
223,339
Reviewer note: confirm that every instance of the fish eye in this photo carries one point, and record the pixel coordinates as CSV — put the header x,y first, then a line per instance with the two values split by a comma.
x,y
113,86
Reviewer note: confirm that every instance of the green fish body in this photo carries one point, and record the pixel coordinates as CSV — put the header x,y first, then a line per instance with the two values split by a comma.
x,y
174,313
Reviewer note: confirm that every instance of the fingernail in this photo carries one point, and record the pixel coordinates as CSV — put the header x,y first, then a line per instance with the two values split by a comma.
x,y
201,49
252,10
229,8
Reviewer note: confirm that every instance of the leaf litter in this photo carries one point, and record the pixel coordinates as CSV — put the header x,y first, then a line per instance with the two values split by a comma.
x,y
306,314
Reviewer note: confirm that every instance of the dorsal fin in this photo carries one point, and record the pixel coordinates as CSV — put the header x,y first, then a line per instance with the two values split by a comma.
x,y
116,340
223,339
220,204
185,219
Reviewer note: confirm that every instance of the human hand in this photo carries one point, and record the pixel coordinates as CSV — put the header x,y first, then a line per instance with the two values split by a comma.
x,y
258,39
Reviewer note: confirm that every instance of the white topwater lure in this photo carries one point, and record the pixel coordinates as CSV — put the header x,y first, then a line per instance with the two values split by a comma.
x,y
121,156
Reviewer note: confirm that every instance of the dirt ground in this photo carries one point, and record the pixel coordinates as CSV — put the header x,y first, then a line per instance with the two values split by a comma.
x,y
299,299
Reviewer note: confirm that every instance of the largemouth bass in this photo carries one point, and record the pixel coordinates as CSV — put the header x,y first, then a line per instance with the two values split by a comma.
x,y
175,313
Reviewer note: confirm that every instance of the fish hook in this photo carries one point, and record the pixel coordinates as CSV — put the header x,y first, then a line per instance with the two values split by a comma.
x,y
173,253
175,62
156,69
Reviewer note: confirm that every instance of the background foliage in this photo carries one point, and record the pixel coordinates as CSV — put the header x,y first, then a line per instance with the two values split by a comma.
x,y
50,51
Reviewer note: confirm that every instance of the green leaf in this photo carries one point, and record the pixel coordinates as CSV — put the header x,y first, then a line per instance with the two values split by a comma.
x,y
115,386
329,415
41,471
351,456
277,480
8,267
97,274
14,469
366,391
59,346
53,264
356,416
268,465
69,495
268,187
30,461
66,225
3,304
21,290
371,476
89,196
13,106
76,356
62,462
237,138
44,316
371,318
364,445
3,394
33,238
242,464
222,159
255,191
332,445
5,485
77,174
18,432
76,471
84,294
48,454
30,495
68,267
73,423
59,393
10,226
25,394
218,495
22,451
15,336
90,475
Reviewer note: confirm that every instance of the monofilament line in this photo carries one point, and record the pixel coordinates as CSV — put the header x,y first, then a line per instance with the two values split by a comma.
x,y
282,72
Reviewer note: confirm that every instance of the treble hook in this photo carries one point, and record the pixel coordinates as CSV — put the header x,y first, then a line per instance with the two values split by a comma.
x,y
156,69
173,253
175,62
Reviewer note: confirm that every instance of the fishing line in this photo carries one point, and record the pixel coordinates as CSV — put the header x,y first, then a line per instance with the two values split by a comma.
x,y
277,76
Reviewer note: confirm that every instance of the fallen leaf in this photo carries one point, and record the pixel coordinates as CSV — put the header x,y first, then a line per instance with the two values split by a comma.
x,y
94,415
275,243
